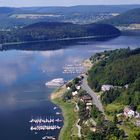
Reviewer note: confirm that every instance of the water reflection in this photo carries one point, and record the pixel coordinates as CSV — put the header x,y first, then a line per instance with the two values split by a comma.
x,y
23,75
12,68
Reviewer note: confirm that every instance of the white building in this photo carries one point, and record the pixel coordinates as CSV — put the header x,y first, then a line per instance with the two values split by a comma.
x,y
74,93
78,87
129,112
106,87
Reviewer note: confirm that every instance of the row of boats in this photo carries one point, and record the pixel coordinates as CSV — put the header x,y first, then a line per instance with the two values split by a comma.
x,y
40,120
73,69
44,127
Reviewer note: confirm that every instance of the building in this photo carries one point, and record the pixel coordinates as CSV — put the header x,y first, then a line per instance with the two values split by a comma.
x,y
78,87
86,99
88,105
106,87
74,93
128,112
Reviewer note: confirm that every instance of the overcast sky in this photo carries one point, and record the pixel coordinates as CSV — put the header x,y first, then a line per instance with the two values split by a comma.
x,y
23,3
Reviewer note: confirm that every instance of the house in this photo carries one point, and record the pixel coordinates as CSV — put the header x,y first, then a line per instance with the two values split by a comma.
x,y
86,98
126,86
106,87
78,87
74,93
89,105
68,88
93,129
128,112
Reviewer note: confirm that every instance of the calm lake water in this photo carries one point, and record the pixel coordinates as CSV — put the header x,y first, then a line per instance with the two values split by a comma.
x,y
23,74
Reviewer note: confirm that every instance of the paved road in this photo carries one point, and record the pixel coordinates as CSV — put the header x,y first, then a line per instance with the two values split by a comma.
x,y
96,100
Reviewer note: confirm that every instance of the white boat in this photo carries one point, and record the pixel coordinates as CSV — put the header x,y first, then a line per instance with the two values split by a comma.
x,y
58,120
55,107
55,82
50,138
58,113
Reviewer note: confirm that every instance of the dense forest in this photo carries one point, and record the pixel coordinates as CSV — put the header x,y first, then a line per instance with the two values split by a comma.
x,y
118,68
57,30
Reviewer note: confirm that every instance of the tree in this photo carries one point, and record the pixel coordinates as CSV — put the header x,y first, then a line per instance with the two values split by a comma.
x,y
115,119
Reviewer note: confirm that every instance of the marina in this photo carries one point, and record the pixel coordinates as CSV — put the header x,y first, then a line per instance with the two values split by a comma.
x,y
73,69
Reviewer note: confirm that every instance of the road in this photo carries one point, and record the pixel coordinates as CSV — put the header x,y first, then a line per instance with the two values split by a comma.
x,y
95,99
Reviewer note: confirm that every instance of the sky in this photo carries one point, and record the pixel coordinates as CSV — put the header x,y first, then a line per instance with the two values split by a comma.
x,y
27,3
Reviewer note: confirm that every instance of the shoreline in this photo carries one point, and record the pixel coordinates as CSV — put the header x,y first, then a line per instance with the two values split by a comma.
x,y
56,98
70,117
63,39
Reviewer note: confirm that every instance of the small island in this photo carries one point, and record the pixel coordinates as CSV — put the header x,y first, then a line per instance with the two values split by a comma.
x,y
57,31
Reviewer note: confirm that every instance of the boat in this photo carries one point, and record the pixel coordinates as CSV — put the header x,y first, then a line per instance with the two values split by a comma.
x,y
55,82
58,120
50,138
55,107
58,113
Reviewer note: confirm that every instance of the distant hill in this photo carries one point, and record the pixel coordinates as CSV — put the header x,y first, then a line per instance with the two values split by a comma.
x,y
58,31
11,17
6,10
129,17
82,9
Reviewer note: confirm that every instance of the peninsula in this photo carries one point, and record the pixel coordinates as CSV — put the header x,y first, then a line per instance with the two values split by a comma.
x,y
54,31
93,108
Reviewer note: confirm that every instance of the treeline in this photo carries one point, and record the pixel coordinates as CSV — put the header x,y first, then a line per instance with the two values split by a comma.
x,y
118,68
57,30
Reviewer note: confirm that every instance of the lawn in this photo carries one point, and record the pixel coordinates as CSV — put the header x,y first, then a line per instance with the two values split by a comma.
x,y
69,130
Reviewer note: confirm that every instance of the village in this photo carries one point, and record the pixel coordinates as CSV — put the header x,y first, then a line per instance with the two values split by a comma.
x,y
129,112
89,115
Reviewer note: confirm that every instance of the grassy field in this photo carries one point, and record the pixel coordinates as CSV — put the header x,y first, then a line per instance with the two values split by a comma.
x,y
69,130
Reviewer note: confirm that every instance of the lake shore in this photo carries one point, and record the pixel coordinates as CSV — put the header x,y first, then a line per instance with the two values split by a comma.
x,y
70,116
61,39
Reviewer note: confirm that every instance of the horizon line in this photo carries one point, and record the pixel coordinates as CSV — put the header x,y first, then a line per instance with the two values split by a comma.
x,y
69,5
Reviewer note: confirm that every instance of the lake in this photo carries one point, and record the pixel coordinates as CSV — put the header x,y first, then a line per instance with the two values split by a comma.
x,y
23,73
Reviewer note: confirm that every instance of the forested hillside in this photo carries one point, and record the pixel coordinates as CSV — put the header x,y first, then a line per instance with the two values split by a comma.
x,y
57,30
126,18
117,68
